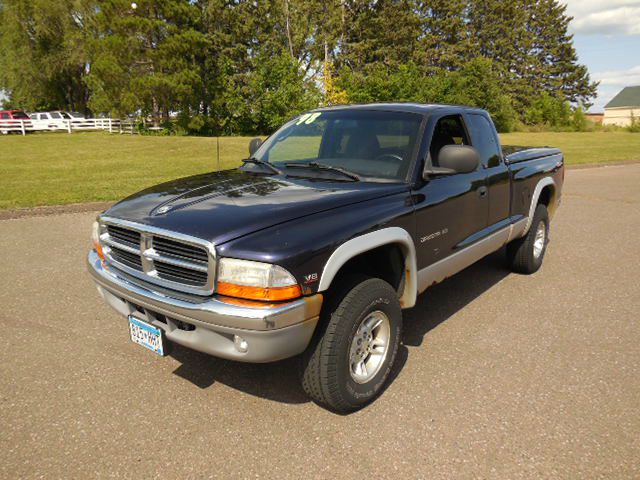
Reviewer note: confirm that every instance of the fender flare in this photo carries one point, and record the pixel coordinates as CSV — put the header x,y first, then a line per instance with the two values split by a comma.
x,y
369,241
545,182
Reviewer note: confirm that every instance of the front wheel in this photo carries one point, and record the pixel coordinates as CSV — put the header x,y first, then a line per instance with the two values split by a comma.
x,y
348,364
525,254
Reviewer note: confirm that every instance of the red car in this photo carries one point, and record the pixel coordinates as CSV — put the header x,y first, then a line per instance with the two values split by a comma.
x,y
12,121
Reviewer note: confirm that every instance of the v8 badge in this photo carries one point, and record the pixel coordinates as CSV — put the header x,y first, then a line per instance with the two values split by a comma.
x,y
311,278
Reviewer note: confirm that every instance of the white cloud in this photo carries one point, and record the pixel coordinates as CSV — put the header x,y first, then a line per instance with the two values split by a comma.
x,y
608,17
622,78
611,82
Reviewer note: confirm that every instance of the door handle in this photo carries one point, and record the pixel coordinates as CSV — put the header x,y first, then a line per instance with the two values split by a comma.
x,y
482,191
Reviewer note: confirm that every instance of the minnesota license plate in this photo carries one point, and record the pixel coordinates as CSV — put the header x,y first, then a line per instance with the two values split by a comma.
x,y
146,335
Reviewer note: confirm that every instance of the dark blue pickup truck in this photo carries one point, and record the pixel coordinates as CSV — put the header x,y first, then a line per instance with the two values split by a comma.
x,y
331,227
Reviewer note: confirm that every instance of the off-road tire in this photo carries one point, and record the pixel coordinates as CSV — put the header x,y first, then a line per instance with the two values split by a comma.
x,y
520,252
326,369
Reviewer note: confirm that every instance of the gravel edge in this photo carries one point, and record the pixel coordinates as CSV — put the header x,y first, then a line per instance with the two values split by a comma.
x,y
11,214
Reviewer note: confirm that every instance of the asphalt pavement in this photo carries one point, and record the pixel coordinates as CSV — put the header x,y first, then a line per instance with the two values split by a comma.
x,y
501,375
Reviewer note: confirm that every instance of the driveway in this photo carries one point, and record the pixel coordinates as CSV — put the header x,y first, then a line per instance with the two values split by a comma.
x,y
501,375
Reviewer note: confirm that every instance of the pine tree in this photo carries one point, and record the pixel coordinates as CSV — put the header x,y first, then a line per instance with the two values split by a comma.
x,y
383,32
528,40
445,41
556,61
145,58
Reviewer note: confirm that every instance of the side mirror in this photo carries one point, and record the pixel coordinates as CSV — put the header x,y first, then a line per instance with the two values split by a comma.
x,y
454,159
254,145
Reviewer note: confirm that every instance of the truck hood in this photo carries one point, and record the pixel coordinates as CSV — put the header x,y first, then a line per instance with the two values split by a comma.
x,y
222,206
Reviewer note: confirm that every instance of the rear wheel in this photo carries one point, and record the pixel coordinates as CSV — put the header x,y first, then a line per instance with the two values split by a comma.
x,y
525,254
347,365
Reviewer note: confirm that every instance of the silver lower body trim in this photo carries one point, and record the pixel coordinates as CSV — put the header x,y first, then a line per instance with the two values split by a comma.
x,y
270,333
458,261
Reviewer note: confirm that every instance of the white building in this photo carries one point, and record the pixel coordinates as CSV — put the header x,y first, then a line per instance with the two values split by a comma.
x,y
624,106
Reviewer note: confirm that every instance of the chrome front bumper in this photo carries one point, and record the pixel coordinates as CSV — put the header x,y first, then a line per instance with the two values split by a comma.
x,y
213,326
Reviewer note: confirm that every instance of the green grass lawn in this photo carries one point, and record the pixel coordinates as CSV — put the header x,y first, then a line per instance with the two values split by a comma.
x,y
58,168
582,148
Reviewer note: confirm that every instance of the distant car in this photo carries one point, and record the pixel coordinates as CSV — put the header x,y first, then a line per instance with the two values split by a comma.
x,y
73,115
10,121
48,121
47,116
57,115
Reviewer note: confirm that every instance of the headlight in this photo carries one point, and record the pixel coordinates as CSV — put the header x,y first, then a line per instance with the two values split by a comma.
x,y
255,280
95,239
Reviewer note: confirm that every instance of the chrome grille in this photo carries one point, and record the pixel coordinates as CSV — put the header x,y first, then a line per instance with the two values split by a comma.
x,y
182,263
122,235
127,258
180,274
164,246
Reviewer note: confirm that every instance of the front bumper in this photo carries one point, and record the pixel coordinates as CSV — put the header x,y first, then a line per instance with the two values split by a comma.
x,y
208,324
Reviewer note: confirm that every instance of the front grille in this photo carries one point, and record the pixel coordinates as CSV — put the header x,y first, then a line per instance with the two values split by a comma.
x,y
182,250
125,236
129,259
159,259
174,273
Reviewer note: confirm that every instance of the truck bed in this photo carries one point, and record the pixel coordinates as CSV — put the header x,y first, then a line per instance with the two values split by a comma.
x,y
517,154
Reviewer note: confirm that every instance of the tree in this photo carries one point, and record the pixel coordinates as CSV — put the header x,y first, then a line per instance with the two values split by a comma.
x,y
44,58
558,71
479,84
445,41
529,40
145,59
244,65
333,95
383,31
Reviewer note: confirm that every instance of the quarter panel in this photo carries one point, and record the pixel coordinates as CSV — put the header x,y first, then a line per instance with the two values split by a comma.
x,y
525,176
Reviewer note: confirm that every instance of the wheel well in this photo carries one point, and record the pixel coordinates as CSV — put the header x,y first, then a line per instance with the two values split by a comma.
x,y
385,262
545,196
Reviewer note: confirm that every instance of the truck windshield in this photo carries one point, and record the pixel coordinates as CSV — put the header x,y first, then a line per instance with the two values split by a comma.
x,y
371,144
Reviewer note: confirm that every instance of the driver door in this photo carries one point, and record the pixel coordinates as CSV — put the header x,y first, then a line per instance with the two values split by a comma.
x,y
449,209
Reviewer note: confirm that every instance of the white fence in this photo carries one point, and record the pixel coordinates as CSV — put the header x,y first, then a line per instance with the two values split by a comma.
x,y
25,126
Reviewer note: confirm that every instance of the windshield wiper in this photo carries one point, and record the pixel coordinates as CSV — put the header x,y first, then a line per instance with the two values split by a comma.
x,y
257,161
322,166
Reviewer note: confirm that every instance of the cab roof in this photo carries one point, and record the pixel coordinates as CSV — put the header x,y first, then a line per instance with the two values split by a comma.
x,y
409,107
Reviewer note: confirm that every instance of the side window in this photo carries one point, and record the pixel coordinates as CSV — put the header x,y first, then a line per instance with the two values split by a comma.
x,y
4,116
449,131
484,140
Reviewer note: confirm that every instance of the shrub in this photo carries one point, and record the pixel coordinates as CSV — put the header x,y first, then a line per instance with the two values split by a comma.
x,y
635,125
552,111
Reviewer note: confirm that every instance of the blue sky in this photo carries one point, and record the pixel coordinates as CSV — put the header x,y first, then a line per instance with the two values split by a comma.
x,y
607,39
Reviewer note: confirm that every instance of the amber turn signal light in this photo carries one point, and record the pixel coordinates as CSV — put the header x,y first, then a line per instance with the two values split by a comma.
x,y
273,294
98,249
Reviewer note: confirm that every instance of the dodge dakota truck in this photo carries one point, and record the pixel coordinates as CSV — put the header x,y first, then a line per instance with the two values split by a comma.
x,y
326,233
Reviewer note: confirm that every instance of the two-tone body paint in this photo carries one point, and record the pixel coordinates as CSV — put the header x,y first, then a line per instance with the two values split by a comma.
x,y
299,223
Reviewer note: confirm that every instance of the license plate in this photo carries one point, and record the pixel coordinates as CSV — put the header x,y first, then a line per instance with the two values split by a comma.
x,y
146,335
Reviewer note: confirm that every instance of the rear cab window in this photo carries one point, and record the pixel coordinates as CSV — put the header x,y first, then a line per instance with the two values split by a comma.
x,y
483,139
